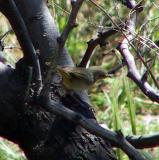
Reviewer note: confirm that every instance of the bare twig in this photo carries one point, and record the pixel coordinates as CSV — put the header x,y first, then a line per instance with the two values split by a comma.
x,y
101,40
13,47
116,68
120,65
145,87
132,70
2,39
5,34
116,138
131,28
70,24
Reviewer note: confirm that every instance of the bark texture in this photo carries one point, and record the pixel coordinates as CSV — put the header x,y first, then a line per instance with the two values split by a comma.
x,y
41,135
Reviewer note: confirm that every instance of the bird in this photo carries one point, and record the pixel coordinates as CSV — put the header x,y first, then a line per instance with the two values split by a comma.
x,y
80,78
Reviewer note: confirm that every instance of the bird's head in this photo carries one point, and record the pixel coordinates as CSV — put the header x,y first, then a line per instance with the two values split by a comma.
x,y
99,73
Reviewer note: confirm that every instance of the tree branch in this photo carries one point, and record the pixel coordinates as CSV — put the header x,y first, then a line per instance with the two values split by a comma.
x,y
101,40
61,41
76,5
130,62
25,41
117,138
142,142
129,59
133,72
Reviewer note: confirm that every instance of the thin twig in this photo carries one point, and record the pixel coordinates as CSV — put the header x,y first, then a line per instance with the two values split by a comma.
x,y
13,47
5,34
101,40
131,30
70,24
101,8
132,70
120,65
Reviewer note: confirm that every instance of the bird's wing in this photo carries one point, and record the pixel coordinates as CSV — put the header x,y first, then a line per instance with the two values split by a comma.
x,y
84,76
76,73
63,72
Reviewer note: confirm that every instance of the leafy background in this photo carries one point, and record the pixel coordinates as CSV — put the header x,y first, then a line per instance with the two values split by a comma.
x,y
117,102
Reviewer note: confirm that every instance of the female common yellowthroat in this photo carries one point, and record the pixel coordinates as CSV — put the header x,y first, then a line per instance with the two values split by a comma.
x,y
78,78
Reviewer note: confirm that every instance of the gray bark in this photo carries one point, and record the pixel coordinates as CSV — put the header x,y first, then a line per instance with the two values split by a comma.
x,y
42,135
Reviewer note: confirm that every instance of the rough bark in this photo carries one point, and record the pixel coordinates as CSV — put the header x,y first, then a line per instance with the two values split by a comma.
x,y
41,135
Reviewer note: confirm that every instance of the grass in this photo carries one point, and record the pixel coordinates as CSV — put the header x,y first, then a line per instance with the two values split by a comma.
x,y
130,105
10,151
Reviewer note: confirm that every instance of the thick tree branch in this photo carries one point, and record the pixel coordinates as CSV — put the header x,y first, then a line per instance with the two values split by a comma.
x,y
142,142
44,34
25,41
77,118
39,20
63,37
117,138
33,123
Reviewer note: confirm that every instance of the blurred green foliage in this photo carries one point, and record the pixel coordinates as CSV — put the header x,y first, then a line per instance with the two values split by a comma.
x,y
9,151
117,101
